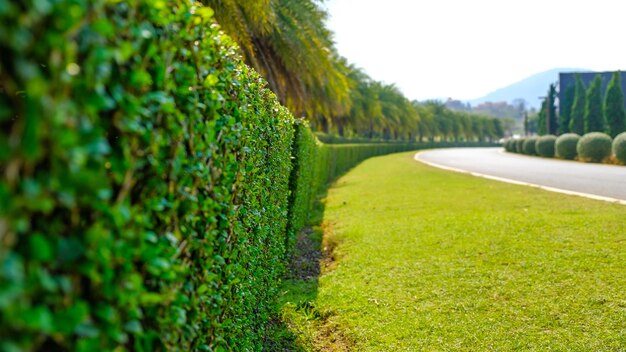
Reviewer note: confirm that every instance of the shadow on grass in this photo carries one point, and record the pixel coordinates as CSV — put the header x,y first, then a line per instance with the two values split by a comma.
x,y
298,325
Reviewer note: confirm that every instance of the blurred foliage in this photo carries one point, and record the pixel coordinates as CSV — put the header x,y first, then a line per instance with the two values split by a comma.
x,y
528,147
614,106
619,147
287,42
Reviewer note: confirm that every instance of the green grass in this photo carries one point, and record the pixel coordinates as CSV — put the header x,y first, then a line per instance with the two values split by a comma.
x,y
438,261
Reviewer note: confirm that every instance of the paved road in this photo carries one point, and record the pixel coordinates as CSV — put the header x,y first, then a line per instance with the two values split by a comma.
x,y
601,180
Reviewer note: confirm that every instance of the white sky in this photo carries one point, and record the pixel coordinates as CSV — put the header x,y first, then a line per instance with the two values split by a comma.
x,y
465,49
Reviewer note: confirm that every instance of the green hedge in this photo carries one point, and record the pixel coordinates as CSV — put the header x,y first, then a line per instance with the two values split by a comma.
x,y
150,185
335,159
305,154
144,184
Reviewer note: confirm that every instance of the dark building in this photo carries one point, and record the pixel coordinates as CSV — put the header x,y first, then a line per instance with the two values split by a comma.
x,y
569,79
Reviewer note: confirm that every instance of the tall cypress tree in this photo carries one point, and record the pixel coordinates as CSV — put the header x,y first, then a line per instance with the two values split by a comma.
x,y
565,108
577,117
594,112
614,106
542,126
541,118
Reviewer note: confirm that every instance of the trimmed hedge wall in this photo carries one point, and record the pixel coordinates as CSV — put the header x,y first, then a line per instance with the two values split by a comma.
x,y
150,185
145,181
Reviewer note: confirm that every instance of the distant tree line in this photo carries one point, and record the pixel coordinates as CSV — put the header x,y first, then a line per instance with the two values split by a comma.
x,y
584,109
510,114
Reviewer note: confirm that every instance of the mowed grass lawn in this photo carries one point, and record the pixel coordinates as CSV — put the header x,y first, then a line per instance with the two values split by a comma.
x,y
438,261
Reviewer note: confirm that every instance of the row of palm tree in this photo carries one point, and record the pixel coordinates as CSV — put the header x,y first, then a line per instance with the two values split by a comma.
x,y
288,43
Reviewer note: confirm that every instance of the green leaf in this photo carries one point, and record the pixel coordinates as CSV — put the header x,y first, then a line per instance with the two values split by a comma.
x,y
150,298
38,318
140,78
210,80
68,320
133,326
103,27
87,330
205,12
12,268
202,289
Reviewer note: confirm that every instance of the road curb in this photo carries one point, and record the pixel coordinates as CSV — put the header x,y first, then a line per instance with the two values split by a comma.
x,y
521,183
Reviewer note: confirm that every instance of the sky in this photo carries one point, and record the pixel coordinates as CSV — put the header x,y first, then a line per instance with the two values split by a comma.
x,y
439,49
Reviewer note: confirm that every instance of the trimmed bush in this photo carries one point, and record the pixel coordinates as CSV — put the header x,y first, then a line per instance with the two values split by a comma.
x,y
528,147
566,146
519,145
594,147
509,145
619,147
545,146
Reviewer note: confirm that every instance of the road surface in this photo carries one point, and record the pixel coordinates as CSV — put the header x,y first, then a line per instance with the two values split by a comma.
x,y
607,181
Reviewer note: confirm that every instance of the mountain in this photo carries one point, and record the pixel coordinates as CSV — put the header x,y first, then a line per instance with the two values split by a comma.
x,y
529,89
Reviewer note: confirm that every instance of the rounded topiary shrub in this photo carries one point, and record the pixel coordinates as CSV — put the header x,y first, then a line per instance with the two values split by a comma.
x,y
512,145
509,145
566,146
545,146
619,147
519,145
594,147
529,146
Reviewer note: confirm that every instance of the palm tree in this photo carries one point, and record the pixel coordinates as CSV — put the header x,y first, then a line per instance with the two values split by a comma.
x,y
286,41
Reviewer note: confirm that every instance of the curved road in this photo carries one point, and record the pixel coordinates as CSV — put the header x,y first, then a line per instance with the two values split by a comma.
x,y
607,181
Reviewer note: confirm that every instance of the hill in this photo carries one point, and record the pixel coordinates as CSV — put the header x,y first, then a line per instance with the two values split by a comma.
x,y
528,89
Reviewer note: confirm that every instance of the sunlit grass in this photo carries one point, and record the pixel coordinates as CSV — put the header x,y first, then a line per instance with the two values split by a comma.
x,y
432,260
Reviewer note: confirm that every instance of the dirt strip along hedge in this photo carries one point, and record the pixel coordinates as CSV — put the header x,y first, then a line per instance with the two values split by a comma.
x,y
150,184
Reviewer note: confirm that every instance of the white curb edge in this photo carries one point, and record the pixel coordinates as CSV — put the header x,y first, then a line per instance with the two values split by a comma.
x,y
501,179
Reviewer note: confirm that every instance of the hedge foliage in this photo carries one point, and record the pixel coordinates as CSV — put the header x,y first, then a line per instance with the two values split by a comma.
x,y
591,147
594,147
509,145
528,147
566,146
145,181
150,184
545,146
519,145
619,147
